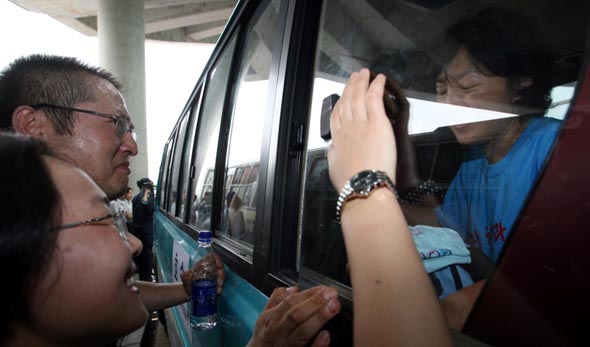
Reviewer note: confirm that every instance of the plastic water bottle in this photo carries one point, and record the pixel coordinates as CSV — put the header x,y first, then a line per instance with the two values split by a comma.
x,y
204,287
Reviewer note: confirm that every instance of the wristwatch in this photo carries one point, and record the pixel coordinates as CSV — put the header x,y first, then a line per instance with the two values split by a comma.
x,y
361,186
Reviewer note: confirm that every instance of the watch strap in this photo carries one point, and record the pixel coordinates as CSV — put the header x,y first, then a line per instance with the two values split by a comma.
x,y
361,187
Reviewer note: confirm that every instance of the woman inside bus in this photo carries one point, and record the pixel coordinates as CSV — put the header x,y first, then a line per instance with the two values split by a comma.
x,y
492,67
490,188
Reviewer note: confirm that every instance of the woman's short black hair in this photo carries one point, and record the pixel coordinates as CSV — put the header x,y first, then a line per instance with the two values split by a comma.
x,y
413,69
30,206
501,42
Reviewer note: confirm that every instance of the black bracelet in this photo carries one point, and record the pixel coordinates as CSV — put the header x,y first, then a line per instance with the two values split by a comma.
x,y
416,195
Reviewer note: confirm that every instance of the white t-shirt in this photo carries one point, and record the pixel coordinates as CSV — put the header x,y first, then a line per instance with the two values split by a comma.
x,y
122,205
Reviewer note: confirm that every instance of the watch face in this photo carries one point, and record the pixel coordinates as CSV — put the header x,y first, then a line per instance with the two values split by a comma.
x,y
363,181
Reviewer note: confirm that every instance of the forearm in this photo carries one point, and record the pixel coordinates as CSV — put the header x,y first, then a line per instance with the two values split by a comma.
x,y
157,296
397,291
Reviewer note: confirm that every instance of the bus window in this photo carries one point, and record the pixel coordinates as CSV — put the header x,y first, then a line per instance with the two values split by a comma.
x,y
207,139
247,122
452,123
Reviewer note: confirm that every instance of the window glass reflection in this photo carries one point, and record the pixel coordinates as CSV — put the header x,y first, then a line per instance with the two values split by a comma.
x,y
207,139
175,172
241,179
472,140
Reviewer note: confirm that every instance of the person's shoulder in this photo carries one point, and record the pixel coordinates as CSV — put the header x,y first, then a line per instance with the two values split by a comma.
x,y
541,131
545,124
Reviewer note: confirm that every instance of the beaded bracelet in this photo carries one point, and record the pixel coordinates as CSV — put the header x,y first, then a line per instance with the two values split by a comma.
x,y
416,195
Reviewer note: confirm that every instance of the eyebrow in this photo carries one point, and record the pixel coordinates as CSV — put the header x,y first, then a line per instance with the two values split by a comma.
x,y
445,75
463,74
121,112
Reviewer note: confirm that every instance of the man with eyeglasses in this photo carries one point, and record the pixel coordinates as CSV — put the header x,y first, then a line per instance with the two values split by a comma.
x,y
79,111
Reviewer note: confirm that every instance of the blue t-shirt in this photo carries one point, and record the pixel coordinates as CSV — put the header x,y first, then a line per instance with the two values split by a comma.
x,y
485,199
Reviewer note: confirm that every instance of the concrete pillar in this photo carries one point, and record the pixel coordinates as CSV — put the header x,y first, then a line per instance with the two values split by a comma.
x,y
121,50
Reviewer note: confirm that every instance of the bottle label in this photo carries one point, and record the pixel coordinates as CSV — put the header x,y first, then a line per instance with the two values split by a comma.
x,y
204,297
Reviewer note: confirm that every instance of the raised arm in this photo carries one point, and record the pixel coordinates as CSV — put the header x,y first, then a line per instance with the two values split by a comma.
x,y
387,275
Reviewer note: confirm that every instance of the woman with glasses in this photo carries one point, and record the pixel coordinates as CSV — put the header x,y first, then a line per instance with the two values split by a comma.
x,y
68,257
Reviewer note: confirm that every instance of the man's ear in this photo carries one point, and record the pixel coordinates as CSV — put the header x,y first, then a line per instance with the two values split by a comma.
x,y
28,121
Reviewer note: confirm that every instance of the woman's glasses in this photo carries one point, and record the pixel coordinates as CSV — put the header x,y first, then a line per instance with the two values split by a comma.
x,y
118,218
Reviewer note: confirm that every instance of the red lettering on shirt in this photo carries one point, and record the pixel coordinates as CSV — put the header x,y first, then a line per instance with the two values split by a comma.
x,y
499,232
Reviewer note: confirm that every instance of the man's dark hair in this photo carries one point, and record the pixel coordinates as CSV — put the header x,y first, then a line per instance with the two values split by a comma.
x,y
30,206
49,79
502,43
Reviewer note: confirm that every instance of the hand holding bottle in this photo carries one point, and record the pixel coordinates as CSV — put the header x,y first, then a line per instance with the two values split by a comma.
x,y
187,276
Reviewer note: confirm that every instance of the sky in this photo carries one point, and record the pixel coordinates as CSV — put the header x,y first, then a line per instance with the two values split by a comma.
x,y
172,69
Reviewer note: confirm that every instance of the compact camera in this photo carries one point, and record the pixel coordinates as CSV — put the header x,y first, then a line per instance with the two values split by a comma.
x,y
392,108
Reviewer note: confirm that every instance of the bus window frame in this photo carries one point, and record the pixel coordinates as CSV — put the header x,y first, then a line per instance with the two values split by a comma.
x,y
173,176
187,169
168,169
162,187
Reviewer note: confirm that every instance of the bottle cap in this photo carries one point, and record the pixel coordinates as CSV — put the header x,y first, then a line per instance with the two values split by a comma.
x,y
205,236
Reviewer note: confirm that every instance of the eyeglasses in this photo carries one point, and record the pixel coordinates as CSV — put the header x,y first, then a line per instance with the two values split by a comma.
x,y
118,218
122,123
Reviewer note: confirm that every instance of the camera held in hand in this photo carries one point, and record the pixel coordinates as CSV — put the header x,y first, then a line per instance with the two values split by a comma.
x,y
392,96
